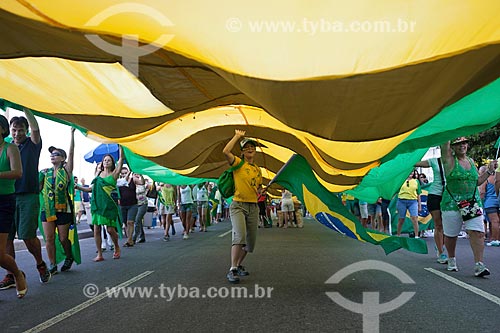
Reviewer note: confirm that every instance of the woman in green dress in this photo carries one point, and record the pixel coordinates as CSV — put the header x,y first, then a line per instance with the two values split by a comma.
x,y
104,205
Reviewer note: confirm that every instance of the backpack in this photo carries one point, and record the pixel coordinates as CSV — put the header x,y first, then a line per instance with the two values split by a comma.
x,y
226,181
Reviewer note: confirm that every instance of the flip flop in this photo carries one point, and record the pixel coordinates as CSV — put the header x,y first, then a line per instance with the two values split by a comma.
x,y
116,255
97,259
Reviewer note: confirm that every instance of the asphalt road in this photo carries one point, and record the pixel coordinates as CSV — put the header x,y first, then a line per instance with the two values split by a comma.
x,y
286,289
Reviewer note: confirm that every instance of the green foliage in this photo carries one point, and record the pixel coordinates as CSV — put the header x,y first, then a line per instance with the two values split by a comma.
x,y
481,145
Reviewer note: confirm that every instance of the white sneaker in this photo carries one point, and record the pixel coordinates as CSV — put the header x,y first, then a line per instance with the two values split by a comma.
x,y
480,270
185,236
493,243
452,264
442,259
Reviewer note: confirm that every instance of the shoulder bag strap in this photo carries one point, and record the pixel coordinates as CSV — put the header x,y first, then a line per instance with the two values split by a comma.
x,y
236,167
473,194
441,172
451,195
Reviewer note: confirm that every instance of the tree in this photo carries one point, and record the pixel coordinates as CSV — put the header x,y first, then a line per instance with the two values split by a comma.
x,y
481,145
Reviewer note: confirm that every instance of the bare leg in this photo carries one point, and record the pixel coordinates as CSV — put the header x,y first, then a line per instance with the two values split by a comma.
x,y
169,222
63,231
494,228
182,215
414,221
7,262
476,239
98,242
49,229
189,221
400,225
450,244
237,255
114,237
438,230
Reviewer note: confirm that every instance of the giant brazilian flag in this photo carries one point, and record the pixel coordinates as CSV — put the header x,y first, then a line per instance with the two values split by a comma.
x,y
361,98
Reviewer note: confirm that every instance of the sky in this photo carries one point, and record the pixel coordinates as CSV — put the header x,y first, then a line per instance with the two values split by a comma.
x,y
58,135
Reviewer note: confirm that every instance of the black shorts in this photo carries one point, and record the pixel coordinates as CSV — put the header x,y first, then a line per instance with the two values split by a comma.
x,y
7,210
62,218
433,202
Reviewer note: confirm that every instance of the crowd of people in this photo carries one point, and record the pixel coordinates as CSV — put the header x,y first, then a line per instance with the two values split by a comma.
x,y
117,200
115,203
461,197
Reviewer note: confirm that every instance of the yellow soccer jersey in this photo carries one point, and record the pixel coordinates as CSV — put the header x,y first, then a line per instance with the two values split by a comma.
x,y
247,181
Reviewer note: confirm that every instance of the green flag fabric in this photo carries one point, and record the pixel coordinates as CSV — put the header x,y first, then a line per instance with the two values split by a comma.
x,y
297,176
143,166
497,144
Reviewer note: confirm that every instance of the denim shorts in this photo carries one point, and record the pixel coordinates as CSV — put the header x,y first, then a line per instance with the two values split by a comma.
x,y
186,208
406,204
128,213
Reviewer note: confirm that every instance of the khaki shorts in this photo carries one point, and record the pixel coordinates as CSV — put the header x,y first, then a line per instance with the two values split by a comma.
x,y
244,219
287,205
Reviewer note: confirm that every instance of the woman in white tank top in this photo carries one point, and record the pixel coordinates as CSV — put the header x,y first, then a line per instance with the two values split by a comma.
x,y
185,208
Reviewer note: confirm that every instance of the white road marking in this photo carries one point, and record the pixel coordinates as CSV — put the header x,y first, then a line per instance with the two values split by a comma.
x,y
464,285
66,314
226,233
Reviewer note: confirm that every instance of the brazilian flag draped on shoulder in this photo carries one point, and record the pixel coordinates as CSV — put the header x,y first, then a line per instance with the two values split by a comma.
x,y
72,233
297,176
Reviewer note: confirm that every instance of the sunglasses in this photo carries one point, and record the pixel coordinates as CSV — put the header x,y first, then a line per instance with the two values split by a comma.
x,y
55,154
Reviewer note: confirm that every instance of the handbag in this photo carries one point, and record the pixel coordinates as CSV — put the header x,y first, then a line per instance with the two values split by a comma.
x,y
226,181
468,209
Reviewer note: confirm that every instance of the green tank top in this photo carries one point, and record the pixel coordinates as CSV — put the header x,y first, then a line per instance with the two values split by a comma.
x,y
6,185
462,184
168,195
